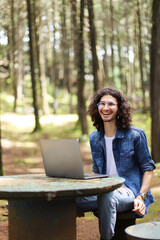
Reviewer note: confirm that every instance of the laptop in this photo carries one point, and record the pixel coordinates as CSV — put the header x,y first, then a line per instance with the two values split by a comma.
x,y
62,159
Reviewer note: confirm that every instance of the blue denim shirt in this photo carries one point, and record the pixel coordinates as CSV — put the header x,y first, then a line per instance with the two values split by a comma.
x,y
132,157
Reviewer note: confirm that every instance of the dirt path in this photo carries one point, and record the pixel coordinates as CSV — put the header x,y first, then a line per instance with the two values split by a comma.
x,y
86,230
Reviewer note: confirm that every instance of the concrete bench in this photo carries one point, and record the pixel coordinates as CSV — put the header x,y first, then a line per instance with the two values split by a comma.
x,y
149,230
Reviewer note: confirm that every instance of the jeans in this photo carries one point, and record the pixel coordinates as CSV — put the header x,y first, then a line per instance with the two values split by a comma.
x,y
108,205
87,204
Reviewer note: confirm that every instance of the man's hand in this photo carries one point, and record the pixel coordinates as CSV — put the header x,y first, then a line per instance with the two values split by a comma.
x,y
139,207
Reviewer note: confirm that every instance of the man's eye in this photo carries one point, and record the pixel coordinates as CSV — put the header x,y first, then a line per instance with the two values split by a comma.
x,y
102,104
111,104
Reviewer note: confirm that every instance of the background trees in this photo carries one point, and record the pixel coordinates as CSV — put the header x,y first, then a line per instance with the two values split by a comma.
x,y
55,54
155,81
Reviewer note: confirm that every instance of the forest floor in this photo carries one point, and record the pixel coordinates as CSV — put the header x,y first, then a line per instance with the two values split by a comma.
x,y
22,155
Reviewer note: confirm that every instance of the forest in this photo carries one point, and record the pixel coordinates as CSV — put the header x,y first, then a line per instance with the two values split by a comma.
x,y
55,54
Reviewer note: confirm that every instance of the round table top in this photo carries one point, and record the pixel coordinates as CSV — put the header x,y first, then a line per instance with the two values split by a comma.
x,y
39,186
149,231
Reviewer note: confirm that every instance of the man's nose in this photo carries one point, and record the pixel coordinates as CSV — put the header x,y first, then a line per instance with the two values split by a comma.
x,y
106,106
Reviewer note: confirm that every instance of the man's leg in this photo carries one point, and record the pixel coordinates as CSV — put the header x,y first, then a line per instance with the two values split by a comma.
x,y
87,204
108,205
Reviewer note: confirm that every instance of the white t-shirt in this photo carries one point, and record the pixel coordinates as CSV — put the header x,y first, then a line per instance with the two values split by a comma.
x,y
111,168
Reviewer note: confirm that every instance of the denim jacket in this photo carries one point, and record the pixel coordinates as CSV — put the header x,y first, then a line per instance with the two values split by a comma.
x,y
132,157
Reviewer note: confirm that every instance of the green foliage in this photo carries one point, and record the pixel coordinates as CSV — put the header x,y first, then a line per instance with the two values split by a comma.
x,y
71,127
156,181
157,170
19,161
3,210
6,102
143,121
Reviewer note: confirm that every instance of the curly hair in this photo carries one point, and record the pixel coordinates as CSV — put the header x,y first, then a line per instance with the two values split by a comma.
x,y
124,116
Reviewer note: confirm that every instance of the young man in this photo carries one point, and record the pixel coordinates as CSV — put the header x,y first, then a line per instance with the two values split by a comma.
x,y
118,149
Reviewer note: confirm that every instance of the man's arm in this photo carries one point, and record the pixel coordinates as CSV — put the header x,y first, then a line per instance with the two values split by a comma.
x,y
139,206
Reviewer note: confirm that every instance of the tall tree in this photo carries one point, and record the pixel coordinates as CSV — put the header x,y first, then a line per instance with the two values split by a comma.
x,y
1,165
65,47
128,81
95,65
81,74
112,39
33,59
155,82
75,30
104,26
12,42
141,57
55,58
41,61
65,44
20,35
120,65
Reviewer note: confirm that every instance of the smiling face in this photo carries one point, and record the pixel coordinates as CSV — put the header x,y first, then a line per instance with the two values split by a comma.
x,y
108,108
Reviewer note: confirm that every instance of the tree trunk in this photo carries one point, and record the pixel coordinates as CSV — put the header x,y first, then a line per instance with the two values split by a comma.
x,y
33,60
128,44
155,82
112,41
65,52
1,165
135,53
75,31
42,75
140,47
147,38
95,65
20,70
65,47
105,58
45,107
12,54
81,74
120,65
55,60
